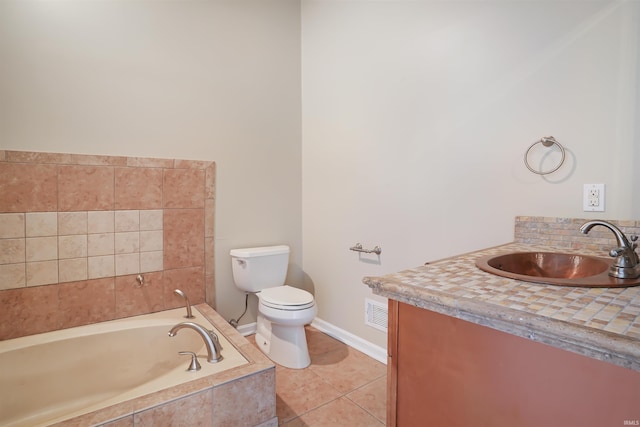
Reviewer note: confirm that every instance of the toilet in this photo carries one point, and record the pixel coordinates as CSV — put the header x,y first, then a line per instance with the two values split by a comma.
x,y
282,310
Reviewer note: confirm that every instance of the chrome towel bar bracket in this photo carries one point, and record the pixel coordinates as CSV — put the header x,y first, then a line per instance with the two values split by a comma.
x,y
358,248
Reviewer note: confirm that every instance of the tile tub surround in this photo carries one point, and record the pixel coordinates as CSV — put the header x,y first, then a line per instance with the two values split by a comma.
x,y
209,402
603,323
81,264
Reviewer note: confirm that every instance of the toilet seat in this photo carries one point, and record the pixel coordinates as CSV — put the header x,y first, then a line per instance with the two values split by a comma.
x,y
286,298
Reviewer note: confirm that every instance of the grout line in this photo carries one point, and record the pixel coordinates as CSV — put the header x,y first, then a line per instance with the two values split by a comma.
x,y
338,397
363,408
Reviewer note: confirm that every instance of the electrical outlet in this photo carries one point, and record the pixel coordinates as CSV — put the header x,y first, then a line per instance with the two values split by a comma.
x,y
593,198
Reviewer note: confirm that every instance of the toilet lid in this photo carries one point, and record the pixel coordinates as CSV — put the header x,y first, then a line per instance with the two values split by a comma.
x,y
286,296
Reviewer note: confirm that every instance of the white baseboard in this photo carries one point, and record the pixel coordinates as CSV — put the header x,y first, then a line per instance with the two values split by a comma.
x,y
374,351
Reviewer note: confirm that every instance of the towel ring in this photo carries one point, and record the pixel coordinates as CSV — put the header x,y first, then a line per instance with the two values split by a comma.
x,y
547,141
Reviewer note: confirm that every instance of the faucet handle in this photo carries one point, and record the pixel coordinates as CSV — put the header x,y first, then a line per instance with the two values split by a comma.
x,y
616,252
215,339
194,365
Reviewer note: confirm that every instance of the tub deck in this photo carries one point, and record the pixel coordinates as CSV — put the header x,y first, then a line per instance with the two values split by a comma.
x,y
158,391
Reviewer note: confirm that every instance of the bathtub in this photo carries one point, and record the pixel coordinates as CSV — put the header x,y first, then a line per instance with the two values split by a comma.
x,y
55,376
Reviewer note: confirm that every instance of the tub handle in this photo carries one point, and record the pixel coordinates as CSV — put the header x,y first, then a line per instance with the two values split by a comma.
x,y
194,365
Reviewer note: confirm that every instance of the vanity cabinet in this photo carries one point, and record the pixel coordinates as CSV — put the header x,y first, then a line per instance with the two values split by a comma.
x,y
447,372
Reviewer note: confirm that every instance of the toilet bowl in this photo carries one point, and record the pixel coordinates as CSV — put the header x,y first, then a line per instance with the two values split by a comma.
x,y
283,310
280,331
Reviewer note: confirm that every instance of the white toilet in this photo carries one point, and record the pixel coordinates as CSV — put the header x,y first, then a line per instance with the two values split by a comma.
x,y
282,310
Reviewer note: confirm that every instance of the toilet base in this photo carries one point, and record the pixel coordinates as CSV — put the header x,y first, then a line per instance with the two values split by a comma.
x,y
286,345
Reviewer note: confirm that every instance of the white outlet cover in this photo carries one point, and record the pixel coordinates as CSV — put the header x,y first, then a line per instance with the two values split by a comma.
x,y
593,198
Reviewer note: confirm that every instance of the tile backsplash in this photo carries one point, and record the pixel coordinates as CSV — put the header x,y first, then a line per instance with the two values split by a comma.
x,y
565,232
76,230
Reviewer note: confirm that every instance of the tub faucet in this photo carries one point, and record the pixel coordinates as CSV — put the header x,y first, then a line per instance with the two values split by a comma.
x,y
627,263
210,338
186,302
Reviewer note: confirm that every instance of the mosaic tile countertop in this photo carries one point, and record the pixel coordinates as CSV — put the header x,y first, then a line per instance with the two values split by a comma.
x,y
603,323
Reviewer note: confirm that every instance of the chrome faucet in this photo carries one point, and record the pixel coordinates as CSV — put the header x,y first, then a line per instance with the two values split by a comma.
x,y
186,302
627,263
210,339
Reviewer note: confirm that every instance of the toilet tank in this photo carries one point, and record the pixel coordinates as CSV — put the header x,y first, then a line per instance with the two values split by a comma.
x,y
255,269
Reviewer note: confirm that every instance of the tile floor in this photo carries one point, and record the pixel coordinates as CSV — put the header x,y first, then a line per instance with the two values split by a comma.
x,y
341,387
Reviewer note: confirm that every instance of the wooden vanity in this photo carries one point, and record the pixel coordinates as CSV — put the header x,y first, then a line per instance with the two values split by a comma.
x,y
467,348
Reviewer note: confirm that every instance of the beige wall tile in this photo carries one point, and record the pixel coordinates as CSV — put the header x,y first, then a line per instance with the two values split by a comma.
x,y
28,311
183,238
28,188
209,217
151,219
189,280
138,188
127,221
12,225
132,299
147,162
258,395
127,264
72,246
13,276
12,251
101,244
42,248
72,270
151,261
72,223
183,188
85,188
209,250
40,224
210,181
101,266
101,222
42,273
151,241
269,423
91,301
194,410
122,422
128,242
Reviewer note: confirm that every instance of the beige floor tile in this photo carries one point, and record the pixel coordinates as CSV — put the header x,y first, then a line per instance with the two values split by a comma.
x,y
347,371
319,342
299,391
342,387
340,412
372,398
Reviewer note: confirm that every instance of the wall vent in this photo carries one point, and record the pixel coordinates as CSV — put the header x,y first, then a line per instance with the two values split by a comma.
x,y
376,314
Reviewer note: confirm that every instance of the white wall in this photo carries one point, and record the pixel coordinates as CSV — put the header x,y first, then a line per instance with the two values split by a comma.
x,y
204,80
416,116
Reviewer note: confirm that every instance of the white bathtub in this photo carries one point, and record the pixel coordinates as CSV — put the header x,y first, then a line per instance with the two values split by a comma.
x,y
51,377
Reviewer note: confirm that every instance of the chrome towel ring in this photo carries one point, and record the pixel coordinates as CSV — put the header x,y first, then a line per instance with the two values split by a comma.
x,y
547,141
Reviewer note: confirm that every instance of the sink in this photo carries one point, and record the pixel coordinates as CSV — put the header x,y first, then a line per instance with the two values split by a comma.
x,y
554,268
